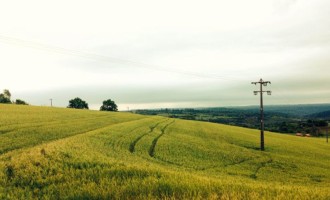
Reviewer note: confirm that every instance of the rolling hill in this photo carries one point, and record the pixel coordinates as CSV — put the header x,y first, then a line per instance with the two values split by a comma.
x,y
321,115
58,153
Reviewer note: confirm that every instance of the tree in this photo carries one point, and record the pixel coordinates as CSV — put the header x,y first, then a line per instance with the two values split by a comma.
x,y
20,102
5,97
109,105
6,93
78,104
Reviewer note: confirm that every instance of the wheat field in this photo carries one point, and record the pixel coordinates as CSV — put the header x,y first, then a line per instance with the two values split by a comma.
x,y
59,153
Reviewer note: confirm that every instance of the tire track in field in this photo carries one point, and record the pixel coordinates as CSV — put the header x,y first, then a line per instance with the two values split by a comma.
x,y
120,137
154,142
262,165
12,128
46,140
23,125
238,163
152,128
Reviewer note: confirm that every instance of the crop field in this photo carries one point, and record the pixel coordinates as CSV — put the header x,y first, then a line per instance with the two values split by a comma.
x,y
58,153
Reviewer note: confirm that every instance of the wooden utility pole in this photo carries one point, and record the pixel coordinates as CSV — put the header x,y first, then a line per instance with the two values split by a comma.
x,y
51,102
262,126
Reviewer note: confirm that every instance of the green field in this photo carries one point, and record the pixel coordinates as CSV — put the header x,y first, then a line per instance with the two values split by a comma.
x,y
59,153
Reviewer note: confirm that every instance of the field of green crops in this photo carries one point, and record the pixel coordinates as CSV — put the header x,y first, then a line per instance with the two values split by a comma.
x,y
59,153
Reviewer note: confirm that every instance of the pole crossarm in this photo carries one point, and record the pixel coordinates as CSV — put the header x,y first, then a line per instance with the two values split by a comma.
x,y
268,92
262,82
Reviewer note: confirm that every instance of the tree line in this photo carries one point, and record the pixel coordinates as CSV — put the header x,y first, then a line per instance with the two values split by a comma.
x,y
5,97
77,103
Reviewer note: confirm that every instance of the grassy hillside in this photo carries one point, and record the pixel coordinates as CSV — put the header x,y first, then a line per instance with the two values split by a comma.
x,y
53,153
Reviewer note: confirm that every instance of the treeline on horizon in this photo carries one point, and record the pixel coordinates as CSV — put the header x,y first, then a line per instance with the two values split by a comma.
x,y
282,120
5,97
76,103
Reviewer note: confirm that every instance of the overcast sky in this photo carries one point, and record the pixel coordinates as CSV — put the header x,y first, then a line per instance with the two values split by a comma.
x,y
173,53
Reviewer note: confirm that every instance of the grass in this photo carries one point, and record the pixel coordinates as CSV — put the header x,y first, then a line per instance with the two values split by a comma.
x,y
53,153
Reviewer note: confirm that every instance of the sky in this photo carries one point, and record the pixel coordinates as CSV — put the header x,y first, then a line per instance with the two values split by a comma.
x,y
165,54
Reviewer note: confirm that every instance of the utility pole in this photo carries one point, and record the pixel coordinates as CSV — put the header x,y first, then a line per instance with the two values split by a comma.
x,y
327,135
51,102
262,126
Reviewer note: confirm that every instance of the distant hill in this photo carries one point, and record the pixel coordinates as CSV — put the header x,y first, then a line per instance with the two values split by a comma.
x,y
278,118
299,110
320,115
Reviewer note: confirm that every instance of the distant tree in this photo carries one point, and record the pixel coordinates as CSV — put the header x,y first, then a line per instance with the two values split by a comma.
x,y
5,97
6,93
78,103
20,102
109,105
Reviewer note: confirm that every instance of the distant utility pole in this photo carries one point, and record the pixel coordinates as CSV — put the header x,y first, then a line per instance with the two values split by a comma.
x,y
262,83
51,102
327,135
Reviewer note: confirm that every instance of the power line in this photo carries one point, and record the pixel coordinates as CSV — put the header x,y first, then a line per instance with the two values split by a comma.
x,y
262,126
107,59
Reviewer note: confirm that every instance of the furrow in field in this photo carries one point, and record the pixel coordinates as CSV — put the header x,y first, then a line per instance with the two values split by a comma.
x,y
152,128
154,142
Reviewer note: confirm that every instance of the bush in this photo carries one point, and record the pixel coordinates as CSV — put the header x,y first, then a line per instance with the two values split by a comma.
x,y
20,102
